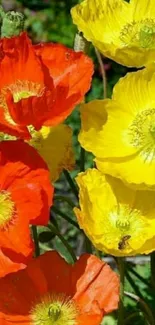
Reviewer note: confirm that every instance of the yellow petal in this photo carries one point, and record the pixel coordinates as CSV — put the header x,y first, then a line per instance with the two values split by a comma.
x,y
142,8
122,134
100,20
118,220
55,146
134,92
93,117
133,171
148,247
122,31
105,135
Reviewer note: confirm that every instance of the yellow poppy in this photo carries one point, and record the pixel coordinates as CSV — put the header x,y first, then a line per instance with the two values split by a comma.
x,y
123,130
54,144
118,220
124,32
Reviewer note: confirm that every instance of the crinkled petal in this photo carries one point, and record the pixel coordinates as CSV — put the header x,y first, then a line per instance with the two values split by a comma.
x,y
69,68
121,31
134,92
96,282
112,215
101,21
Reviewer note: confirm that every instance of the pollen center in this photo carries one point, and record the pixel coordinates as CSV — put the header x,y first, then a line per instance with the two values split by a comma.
x,y
6,208
125,224
139,33
54,310
25,89
142,133
21,89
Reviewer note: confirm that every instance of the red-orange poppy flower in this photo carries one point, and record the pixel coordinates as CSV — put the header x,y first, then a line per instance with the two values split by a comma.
x,y
25,198
39,85
50,291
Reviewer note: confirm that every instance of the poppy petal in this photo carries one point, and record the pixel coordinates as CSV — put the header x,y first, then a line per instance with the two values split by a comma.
x,y
97,283
76,66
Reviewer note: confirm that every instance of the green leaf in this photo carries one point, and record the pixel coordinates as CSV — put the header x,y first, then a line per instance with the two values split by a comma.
x,y
46,236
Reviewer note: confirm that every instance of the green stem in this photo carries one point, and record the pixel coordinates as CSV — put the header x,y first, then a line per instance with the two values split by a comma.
x,y
121,267
97,252
63,240
82,160
71,183
88,245
153,269
103,72
36,241
134,272
64,216
133,284
144,306
64,199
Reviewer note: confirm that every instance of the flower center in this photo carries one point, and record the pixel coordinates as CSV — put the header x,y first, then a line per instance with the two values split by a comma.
x,y
54,310
21,89
6,208
125,224
25,89
139,33
142,133
21,95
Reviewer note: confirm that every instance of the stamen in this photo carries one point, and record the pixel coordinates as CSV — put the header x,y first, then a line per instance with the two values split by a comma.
x,y
139,33
125,224
25,89
141,133
6,209
54,310
21,89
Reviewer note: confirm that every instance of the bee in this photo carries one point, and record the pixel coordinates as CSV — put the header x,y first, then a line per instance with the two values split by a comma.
x,y
123,242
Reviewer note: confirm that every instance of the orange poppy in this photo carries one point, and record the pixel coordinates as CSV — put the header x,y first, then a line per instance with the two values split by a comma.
x,y
25,198
50,291
39,85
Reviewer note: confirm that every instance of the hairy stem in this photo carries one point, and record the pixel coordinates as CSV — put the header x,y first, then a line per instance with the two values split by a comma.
x,y
121,267
104,77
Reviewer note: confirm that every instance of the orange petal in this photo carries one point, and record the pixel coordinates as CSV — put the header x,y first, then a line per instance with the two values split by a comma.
x,y
96,283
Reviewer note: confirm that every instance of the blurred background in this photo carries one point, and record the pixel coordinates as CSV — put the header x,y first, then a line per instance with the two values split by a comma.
x,y
50,21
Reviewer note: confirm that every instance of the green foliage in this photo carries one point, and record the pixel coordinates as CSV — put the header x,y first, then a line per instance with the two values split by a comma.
x,y
53,23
